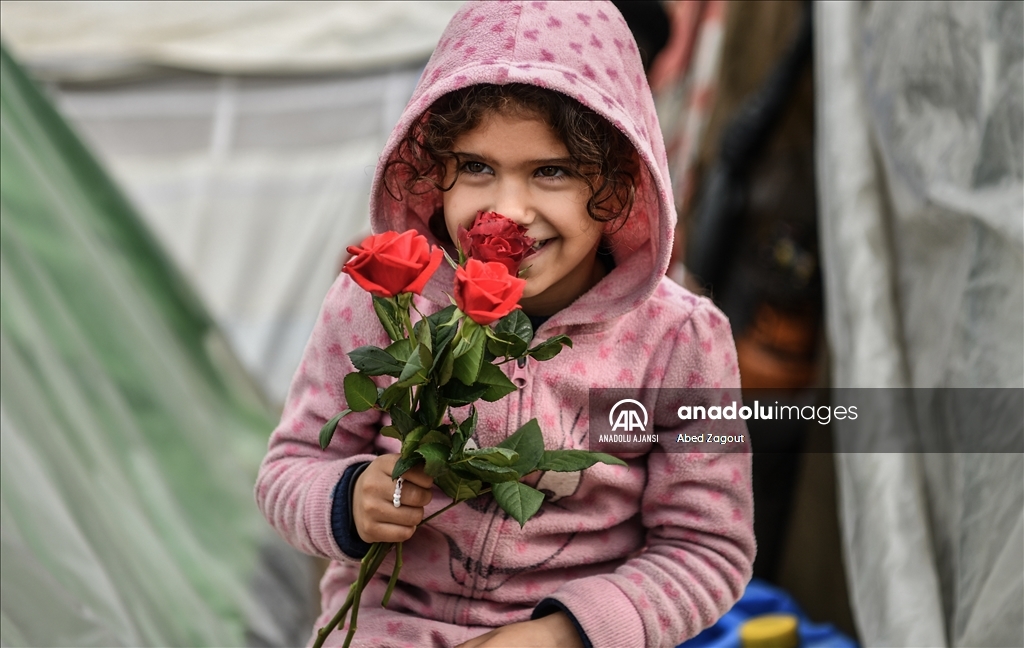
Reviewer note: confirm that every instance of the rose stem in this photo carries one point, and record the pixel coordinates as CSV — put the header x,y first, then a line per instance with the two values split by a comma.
x,y
453,503
322,633
365,573
394,576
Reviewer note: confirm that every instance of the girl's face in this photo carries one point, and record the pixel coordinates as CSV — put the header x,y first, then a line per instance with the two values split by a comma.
x,y
518,167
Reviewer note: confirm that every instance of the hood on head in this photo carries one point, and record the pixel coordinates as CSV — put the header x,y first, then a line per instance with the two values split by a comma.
x,y
583,50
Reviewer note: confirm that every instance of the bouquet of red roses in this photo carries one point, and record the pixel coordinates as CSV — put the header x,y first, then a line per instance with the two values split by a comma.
x,y
448,360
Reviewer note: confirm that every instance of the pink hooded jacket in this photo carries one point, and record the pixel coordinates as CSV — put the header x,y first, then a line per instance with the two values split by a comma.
x,y
644,556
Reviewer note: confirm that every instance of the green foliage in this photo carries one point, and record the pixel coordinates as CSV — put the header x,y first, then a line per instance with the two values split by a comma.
x,y
374,361
416,370
327,431
412,440
518,500
360,392
528,443
497,456
469,354
511,335
573,460
550,348
490,473
457,487
387,312
436,457
496,382
392,432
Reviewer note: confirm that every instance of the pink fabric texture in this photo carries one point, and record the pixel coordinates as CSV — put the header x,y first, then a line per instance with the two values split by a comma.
x,y
647,555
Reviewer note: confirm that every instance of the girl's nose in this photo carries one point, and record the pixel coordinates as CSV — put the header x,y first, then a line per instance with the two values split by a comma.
x,y
512,202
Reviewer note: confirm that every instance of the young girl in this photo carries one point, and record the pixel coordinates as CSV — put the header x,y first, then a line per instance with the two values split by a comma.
x,y
538,111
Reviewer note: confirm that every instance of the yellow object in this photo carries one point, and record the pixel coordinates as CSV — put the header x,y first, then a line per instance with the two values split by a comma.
x,y
770,631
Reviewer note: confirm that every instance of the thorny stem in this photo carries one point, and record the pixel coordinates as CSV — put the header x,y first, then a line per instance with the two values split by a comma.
x,y
322,633
367,570
453,503
394,576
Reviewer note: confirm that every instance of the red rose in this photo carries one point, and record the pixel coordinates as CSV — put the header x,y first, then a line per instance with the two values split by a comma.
x,y
494,237
486,291
391,263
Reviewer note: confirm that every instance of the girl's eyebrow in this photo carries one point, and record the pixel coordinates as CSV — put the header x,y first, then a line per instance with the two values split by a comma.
x,y
562,161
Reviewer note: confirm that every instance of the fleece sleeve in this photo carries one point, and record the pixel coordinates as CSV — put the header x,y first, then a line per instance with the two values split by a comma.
x,y
297,480
698,512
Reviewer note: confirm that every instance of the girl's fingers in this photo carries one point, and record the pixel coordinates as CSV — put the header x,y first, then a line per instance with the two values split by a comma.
x,y
413,495
418,477
385,532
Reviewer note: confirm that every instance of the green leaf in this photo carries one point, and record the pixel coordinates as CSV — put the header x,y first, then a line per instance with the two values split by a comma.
x,y
415,372
442,341
327,431
402,420
429,413
550,348
436,436
457,487
401,350
498,456
436,457
469,330
394,395
573,460
511,335
463,431
391,431
460,394
374,361
467,366
528,442
444,373
405,464
498,384
360,392
518,500
387,313
412,440
423,333
468,425
490,473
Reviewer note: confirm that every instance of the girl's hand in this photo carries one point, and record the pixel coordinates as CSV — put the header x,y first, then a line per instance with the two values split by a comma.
x,y
374,512
553,630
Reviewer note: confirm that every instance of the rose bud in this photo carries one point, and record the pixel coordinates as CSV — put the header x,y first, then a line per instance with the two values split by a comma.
x,y
494,237
486,292
391,263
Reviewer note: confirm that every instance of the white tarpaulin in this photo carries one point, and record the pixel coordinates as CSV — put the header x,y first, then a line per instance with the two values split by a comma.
x,y
95,40
921,178
254,182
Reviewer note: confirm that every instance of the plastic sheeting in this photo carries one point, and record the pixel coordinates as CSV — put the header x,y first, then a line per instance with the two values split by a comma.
x,y
255,175
921,179
130,435
255,186
87,40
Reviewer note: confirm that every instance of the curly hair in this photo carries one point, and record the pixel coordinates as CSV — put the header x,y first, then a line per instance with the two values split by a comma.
x,y
601,155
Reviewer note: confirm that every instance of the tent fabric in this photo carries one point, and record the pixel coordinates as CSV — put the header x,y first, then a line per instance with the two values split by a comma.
x,y
255,185
130,434
254,176
94,40
920,156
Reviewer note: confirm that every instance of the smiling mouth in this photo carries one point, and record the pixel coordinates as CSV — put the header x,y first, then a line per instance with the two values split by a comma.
x,y
539,245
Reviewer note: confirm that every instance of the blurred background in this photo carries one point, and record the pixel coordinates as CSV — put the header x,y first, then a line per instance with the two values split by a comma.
x,y
180,180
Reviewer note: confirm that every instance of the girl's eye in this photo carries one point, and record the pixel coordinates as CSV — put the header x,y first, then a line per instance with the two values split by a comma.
x,y
550,172
475,167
